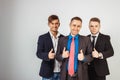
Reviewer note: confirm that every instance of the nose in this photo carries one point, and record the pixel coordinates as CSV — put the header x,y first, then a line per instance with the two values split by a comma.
x,y
76,28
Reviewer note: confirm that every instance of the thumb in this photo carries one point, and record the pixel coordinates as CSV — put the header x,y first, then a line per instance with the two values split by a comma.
x,y
51,50
94,49
64,49
81,51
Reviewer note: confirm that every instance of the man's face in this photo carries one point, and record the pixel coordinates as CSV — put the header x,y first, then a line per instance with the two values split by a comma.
x,y
75,27
54,25
94,27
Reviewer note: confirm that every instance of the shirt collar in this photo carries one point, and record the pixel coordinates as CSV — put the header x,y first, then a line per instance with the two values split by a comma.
x,y
58,34
96,34
70,36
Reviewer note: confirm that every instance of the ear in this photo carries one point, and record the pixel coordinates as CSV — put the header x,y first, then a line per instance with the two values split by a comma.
x,y
100,25
48,23
59,24
70,24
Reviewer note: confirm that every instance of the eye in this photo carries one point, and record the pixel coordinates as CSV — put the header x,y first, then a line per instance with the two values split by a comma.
x,y
52,23
96,26
74,25
78,26
91,26
56,23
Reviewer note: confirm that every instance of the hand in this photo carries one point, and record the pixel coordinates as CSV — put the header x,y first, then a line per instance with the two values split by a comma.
x,y
51,55
81,55
65,54
95,53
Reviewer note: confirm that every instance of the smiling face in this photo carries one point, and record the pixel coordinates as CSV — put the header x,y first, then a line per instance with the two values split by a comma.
x,y
75,26
94,27
54,25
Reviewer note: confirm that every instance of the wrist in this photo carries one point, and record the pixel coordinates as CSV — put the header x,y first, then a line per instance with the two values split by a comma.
x,y
100,56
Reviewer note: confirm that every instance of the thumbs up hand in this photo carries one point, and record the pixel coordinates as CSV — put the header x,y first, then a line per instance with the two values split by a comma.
x,y
81,55
51,55
95,53
65,54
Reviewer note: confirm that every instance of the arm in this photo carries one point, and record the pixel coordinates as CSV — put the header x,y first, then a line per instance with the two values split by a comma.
x,y
59,51
108,50
62,53
88,52
41,53
85,53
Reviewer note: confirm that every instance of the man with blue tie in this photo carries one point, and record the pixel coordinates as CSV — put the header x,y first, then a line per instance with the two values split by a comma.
x,y
46,50
74,52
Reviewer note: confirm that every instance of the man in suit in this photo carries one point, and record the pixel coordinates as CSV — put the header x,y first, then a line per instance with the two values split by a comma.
x,y
46,50
102,49
74,53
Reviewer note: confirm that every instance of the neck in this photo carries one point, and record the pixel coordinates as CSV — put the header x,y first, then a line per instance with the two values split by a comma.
x,y
73,35
54,33
95,34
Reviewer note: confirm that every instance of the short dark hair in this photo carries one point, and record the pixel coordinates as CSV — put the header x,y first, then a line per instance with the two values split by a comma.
x,y
52,17
76,18
95,19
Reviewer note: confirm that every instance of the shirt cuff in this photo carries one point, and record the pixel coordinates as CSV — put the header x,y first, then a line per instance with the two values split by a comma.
x,y
100,55
84,60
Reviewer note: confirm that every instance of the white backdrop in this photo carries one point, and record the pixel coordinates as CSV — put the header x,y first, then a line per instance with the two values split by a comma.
x,y
22,21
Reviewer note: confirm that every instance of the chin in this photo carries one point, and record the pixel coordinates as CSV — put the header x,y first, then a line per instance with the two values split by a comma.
x,y
55,30
94,33
75,34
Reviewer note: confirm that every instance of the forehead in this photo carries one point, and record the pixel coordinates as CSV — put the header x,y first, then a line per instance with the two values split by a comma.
x,y
54,21
76,22
94,23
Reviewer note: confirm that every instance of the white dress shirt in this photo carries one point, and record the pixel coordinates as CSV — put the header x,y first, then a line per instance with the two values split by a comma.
x,y
100,54
55,44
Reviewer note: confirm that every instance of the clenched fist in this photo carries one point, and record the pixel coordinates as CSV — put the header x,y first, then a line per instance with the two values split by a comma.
x,y
65,54
81,55
51,55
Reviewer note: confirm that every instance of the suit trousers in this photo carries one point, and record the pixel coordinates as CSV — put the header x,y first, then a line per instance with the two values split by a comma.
x,y
56,76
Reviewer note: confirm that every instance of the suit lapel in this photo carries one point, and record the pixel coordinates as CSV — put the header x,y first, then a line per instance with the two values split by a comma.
x,y
65,42
49,40
98,40
80,43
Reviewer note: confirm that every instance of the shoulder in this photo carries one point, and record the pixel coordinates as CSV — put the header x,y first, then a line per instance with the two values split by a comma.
x,y
61,35
63,38
44,36
104,36
84,37
85,40
88,35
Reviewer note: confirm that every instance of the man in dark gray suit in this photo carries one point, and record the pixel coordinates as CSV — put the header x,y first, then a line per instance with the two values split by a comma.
x,y
102,49
74,52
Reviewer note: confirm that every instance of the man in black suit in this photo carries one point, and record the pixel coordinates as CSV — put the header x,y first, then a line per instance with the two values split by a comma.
x,y
74,52
102,49
46,50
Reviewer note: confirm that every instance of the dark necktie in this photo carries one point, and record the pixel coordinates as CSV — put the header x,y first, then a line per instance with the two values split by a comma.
x,y
93,42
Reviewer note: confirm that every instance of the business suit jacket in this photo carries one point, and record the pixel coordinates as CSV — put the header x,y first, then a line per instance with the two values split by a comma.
x,y
85,45
104,46
44,46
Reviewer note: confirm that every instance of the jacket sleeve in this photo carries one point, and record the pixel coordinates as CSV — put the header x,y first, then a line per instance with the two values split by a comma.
x,y
41,53
88,52
59,51
108,50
